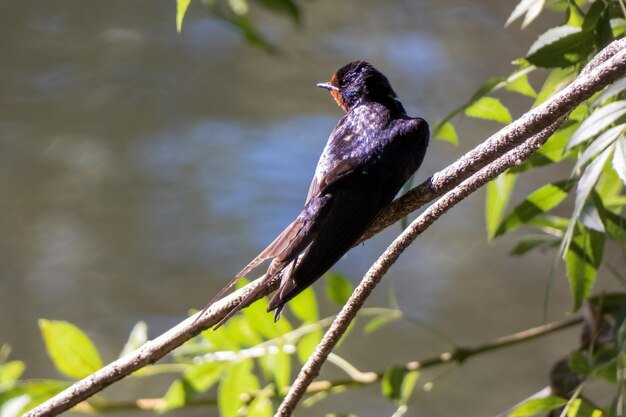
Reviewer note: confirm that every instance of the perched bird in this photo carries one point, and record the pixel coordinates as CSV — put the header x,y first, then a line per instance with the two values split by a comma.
x,y
370,154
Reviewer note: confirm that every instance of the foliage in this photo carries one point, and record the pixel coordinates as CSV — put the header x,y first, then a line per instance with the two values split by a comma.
x,y
238,14
590,144
246,365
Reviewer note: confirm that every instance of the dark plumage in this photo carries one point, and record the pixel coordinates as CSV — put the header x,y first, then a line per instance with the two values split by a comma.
x,y
370,154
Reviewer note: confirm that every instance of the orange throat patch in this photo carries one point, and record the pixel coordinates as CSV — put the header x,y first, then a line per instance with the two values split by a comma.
x,y
337,94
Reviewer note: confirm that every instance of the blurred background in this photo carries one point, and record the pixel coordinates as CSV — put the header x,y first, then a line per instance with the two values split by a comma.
x,y
141,168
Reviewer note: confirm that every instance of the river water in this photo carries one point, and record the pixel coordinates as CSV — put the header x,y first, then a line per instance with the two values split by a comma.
x,y
142,168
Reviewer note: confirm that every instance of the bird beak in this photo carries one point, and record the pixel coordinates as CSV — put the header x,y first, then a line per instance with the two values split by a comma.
x,y
328,86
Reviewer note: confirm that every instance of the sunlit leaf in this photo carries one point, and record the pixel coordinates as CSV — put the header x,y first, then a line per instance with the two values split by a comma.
x,y
583,190
307,344
520,84
40,390
408,385
581,408
11,371
261,405
611,91
599,144
446,131
556,80
538,202
582,261
489,108
497,198
536,406
379,321
614,224
181,9
237,383
304,306
138,336
391,383
70,349
281,367
528,244
263,322
203,376
561,46
619,158
530,8
174,398
338,288
599,120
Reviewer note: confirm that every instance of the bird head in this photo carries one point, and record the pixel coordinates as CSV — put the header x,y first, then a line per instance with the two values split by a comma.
x,y
357,82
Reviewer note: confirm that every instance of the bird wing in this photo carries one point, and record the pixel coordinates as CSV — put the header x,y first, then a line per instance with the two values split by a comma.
x,y
361,188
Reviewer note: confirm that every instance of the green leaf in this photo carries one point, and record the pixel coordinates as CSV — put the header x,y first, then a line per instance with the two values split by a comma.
x,y
307,344
531,8
237,383
174,398
519,84
489,108
580,408
579,363
537,406
70,349
574,16
556,80
599,144
538,202
611,91
263,322
379,321
528,244
619,158
582,261
280,365
408,385
497,198
552,150
599,120
445,131
614,224
11,371
338,288
261,405
593,15
40,390
203,376
287,7
138,336
304,306
391,382
583,190
181,9
561,46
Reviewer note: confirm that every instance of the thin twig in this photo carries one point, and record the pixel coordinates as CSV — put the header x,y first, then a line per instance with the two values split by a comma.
x,y
459,355
552,113
311,368
530,124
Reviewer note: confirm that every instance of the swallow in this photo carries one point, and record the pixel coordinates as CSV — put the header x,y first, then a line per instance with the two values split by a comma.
x,y
371,153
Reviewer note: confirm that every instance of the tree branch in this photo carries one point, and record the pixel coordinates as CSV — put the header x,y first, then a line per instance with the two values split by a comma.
x,y
548,116
604,69
459,355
